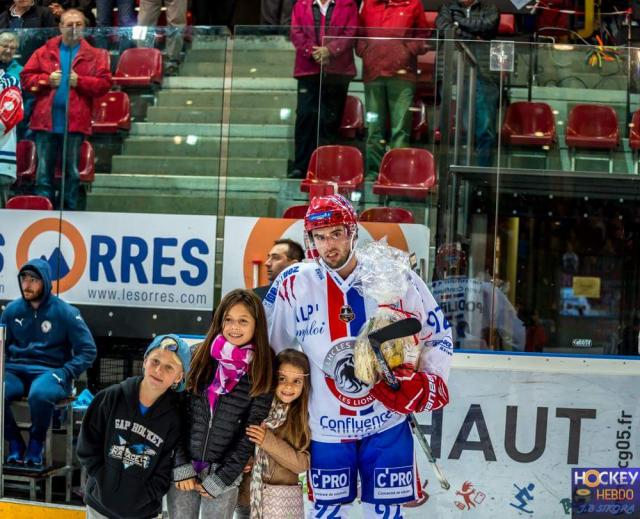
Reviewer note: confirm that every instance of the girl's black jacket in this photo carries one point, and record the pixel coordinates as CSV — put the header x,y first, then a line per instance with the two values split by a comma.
x,y
128,455
219,439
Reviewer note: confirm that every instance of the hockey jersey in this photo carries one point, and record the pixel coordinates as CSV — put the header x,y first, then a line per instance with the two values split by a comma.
x,y
316,310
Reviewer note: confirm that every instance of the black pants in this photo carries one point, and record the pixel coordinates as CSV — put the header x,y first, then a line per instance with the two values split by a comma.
x,y
213,12
311,132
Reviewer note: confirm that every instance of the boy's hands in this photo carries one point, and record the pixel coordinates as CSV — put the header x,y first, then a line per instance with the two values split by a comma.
x,y
203,493
186,485
256,434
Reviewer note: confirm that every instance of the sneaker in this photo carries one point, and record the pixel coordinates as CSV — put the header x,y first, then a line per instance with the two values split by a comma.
x,y
35,453
16,452
296,173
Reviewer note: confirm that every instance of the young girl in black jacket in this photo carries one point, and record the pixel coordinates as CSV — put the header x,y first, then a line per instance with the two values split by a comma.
x,y
228,388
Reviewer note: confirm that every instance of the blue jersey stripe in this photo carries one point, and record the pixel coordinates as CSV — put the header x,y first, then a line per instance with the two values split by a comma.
x,y
356,302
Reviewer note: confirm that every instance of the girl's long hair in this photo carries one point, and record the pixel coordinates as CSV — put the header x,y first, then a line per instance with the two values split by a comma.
x,y
261,369
295,429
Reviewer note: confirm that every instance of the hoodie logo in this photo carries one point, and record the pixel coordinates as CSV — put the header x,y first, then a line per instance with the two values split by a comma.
x,y
46,326
135,455
19,321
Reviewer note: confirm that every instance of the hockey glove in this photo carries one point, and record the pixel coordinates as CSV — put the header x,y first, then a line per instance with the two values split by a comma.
x,y
418,391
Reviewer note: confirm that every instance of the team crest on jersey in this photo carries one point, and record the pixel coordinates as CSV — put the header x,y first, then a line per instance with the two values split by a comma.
x,y
346,314
340,375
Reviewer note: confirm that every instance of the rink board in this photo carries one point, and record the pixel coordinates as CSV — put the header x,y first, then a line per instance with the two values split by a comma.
x,y
499,403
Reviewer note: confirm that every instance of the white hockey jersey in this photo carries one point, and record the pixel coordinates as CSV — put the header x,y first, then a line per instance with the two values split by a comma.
x,y
316,310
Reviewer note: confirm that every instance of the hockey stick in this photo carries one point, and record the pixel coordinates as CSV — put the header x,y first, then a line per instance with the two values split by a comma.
x,y
397,330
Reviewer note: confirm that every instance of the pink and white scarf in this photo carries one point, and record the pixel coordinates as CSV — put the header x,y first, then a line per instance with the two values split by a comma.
x,y
233,364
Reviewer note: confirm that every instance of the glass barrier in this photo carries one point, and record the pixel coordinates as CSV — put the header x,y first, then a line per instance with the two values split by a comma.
x,y
478,157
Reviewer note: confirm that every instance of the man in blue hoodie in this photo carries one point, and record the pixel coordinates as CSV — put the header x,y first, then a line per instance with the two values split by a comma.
x,y
47,346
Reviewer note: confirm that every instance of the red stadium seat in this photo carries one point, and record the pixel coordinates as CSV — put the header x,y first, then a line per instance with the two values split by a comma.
x,y
592,127
529,124
387,215
31,202
352,118
407,172
296,211
139,67
430,18
86,165
111,113
340,164
507,25
27,162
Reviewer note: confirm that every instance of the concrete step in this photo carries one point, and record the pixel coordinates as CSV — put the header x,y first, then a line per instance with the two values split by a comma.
x,y
243,56
256,69
271,131
196,116
213,99
207,147
199,166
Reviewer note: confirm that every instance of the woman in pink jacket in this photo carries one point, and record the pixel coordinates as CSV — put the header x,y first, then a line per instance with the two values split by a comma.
x,y
322,32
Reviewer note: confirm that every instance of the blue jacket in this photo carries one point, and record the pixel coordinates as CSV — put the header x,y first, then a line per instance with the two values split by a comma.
x,y
54,335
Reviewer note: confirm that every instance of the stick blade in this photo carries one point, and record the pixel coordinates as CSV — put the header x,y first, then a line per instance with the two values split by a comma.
x,y
397,330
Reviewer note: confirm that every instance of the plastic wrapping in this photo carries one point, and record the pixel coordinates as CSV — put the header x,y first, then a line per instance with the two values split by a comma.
x,y
383,273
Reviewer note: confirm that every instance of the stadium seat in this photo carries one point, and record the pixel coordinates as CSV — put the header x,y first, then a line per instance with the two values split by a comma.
x,y
592,127
531,125
342,165
139,67
387,215
111,113
634,138
352,118
27,162
31,202
406,172
86,165
296,211
430,18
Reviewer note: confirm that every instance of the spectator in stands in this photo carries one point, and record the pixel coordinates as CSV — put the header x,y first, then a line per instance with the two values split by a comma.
x,y
477,20
65,69
276,12
321,32
284,253
11,98
126,18
57,7
389,72
176,18
47,346
25,14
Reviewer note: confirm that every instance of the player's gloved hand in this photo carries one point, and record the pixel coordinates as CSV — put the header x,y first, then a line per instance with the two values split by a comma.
x,y
418,391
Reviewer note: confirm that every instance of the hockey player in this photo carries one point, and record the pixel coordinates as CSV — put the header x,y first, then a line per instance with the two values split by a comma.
x,y
355,429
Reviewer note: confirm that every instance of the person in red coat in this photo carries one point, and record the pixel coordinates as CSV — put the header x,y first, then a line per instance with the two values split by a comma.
x,y
392,37
66,70
322,32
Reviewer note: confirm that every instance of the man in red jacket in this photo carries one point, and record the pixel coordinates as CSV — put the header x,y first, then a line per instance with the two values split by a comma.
x,y
64,75
393,33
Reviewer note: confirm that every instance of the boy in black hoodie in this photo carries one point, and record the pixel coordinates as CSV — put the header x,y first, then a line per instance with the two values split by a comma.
x,y
129,432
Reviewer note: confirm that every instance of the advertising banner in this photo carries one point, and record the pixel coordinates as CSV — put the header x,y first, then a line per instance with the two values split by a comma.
x,y
118,259
519,426
248,241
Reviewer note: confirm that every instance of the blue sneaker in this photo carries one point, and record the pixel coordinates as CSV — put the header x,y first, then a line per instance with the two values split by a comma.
x,y
16,452
34,454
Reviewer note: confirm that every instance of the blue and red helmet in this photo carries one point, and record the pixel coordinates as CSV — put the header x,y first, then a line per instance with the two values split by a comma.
x,y
328,211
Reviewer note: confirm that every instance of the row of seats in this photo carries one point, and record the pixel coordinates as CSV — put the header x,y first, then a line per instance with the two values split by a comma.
x,y
27,164
375,214
404,172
